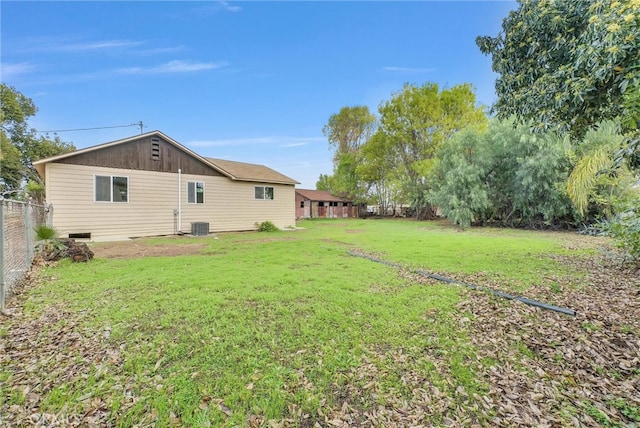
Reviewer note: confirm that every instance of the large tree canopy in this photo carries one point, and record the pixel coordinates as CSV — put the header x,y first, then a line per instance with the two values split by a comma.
x,y
570,64
346,131
379,168
20,145
349,129
416,121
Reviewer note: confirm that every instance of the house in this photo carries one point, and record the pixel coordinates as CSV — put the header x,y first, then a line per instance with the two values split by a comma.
x,y
151,185
322,204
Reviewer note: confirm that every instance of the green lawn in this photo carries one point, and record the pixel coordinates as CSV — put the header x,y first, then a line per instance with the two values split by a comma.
x,y
282,326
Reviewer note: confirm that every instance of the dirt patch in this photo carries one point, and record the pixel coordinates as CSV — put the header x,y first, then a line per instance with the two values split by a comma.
x,y
138,249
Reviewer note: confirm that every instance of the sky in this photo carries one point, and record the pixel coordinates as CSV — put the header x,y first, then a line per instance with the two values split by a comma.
x,y
250,81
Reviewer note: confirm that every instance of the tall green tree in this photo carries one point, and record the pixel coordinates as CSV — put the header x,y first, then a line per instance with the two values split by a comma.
x,y
346,132
378,168
20,143
345,181
417,120
324,182
11,169
570,64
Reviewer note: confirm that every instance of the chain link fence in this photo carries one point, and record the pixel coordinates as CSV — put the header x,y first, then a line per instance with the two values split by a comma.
x,y
18,221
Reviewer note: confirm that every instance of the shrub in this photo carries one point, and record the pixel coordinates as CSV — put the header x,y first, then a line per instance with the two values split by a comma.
x,y
458,179
505,174
49,239
267,226
624,228
45,233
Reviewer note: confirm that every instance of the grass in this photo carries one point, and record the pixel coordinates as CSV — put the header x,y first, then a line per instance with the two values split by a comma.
x,y
283,324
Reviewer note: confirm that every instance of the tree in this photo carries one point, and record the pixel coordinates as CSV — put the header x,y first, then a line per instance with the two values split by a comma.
x,y
378,168
506,174
324,182
15,110
35,148
345,182
417,120
346,131
20,145
11,169
570,64
459,178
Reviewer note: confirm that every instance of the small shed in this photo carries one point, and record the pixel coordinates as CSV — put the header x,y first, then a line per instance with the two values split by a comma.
x,y
322,204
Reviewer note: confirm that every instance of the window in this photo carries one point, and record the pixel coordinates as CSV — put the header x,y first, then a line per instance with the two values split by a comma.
x,y
333,204
301,204
195,192
109,188
264,192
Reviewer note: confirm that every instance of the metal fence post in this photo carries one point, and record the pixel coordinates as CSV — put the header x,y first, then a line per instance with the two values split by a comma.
x,y
2,283
27,233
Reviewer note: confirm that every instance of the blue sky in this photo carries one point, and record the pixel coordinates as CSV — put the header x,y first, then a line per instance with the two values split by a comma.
x,y
247,81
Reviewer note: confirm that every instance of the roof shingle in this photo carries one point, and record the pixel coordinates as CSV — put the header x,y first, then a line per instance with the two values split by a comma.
x,y
319,195
250,172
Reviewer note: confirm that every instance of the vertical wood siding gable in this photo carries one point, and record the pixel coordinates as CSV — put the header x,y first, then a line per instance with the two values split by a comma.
x,y
137,155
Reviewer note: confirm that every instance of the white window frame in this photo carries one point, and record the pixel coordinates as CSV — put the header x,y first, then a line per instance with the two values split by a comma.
x,y
111,177
195,192
264,193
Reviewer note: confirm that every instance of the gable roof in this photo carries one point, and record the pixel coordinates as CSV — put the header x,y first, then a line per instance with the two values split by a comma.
x,y
237,171
319,195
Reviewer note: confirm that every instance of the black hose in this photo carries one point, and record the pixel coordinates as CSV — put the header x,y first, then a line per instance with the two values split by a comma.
x,y
508,296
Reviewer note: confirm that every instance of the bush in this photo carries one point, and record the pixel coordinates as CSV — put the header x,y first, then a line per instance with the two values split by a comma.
x,y
45,233
624,228
458,179
49,242
505,174
267,226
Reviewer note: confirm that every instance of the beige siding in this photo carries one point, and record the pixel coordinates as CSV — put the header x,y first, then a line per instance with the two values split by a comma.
x,y
153,197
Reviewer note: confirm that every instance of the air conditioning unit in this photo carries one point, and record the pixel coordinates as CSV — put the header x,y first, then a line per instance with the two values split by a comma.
x,y
199,229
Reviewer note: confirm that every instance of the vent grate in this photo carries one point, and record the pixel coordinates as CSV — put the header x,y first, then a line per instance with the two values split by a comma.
x,y
155,149
199,229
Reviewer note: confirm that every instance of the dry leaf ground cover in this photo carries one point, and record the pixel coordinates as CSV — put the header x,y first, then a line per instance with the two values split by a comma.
x,y
287,329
